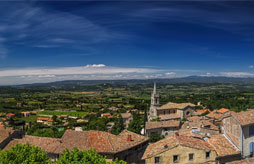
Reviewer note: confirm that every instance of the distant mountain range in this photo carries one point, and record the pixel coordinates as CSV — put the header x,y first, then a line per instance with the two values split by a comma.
x,y
190,79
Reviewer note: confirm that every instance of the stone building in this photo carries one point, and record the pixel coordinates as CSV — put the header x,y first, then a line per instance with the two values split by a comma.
x,y
225,150
127,118
192,150
169,111
165,128
7,134
50,145
127,146
202,125
180,149
239,128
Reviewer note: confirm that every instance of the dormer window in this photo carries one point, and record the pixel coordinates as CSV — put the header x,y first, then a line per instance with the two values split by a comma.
x,y
251,130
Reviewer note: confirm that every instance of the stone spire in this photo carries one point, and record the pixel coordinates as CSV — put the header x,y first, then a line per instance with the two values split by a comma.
x,y
154,88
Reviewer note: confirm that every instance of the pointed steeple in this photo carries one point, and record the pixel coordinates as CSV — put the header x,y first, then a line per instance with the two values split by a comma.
x,y
154,88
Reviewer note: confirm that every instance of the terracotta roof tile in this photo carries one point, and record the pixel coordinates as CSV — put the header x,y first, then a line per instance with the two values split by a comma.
x,y
126,115
169,116
244,117
173,141
202,111
48,144
100,141
222,146
5,132
223,110
162,124
176,105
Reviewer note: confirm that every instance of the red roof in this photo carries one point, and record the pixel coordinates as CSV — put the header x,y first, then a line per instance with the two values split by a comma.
x,y
101,141
202,111
173,141
223,110
10,114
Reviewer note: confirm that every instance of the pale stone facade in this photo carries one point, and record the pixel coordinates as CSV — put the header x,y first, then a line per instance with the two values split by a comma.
x,y
169,111
184,153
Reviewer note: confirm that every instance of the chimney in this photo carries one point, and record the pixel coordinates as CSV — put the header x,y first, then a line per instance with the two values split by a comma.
x,y
177,134
129,138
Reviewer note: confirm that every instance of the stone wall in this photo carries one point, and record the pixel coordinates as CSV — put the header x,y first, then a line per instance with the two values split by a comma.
x,y
183,153
232,130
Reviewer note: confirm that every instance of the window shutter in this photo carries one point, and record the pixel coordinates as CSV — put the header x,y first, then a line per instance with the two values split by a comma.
x,y
251,147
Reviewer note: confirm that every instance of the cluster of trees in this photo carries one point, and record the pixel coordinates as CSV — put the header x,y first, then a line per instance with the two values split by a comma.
x,y
25,154
41,130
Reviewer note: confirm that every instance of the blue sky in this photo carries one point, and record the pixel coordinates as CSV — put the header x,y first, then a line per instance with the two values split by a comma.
x,y
43,41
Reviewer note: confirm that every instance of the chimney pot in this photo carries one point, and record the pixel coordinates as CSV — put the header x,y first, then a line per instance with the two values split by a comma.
x,y
129,138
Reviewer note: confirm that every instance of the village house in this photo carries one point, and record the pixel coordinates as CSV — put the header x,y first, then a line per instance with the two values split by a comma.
x,y
6,135
127,118
165,128
127,146
26,114
45,143
181,150
106,115
9,115
202,125
225,150
218,115
239,128
169,111
44,120
202,112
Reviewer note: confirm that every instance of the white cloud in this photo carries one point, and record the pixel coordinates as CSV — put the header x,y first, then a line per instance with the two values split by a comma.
x,y
251,66
170,73
95,66
237,74
87,70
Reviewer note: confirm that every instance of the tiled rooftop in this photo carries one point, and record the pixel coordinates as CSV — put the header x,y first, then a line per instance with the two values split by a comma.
x,y
162,124
48,144
202,111
176,105
100,141
5,132
169,116
126,115
199,122
244,117
173,141
217,115
222,146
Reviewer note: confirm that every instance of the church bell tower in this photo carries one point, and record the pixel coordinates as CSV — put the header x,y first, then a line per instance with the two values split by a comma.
x,y
155,103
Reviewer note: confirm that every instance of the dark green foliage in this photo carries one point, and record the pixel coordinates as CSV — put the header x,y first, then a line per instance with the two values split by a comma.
x,y
155,137
136,124
45,131
23,154
118,125
84,157
26,154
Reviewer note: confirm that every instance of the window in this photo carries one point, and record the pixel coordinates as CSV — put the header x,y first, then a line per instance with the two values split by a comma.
x,y
166,134
157,160
251,130
191,157
251,146
207,154
175,158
